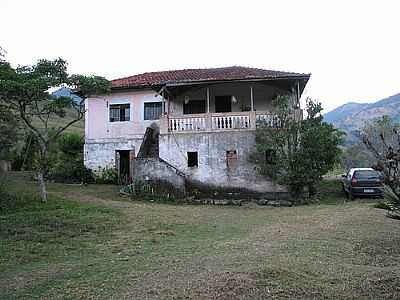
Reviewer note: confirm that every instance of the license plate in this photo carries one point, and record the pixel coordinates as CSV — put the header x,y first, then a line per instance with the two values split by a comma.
x,y
368,190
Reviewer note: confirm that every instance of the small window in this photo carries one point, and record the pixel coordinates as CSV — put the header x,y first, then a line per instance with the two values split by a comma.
x,y
192,159
152,110
231,158
119,112
270,156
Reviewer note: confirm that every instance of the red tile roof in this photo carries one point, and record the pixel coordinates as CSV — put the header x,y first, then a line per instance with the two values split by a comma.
x,y
151,79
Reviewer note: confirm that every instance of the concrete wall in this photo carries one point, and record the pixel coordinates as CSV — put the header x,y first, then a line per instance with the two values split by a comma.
x,y
97,122
100,153
212,158
153,169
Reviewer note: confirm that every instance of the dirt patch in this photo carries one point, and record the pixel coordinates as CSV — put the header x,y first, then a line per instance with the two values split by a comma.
x,y
265,284
384,251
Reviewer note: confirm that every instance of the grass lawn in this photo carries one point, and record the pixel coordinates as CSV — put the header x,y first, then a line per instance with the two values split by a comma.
x,y
86,242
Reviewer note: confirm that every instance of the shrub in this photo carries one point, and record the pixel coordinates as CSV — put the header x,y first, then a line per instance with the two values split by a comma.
x,y
392,202
69,165
157,190
107,175
297,152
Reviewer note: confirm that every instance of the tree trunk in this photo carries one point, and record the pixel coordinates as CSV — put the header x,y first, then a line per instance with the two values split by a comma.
x,y
42,172
42,185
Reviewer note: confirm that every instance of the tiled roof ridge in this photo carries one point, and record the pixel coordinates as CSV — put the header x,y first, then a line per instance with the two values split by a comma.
x,y
202,74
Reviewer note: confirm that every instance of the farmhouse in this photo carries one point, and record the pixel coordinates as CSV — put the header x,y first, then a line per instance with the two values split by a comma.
x,y
193,125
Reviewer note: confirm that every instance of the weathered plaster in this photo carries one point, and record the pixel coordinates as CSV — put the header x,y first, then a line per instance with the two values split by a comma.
x,y
100,153
212,168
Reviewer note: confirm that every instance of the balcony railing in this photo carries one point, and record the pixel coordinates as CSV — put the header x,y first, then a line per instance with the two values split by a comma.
x,y
217,121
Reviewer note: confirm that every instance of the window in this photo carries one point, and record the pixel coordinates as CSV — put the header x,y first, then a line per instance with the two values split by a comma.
x,y
119,112
192,159
194,107
366,174
231,159
152,110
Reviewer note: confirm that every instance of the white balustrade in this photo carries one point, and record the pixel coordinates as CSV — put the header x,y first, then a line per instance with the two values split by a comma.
x,y
230,122
187,124
267,119
221,121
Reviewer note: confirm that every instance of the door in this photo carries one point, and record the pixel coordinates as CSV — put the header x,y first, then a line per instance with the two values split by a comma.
x,y
123,165
223,104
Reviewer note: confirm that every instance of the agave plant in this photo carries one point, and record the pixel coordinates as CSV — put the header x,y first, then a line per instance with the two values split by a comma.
x,y
392,202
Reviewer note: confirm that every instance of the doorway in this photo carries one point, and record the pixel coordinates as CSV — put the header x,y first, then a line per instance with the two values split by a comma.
x,y
123,164
223,104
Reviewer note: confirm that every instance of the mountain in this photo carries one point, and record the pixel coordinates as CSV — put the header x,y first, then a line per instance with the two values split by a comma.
x,y
352,116
66,92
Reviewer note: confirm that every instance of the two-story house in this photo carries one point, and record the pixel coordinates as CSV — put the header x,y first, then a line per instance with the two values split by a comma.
x,y
200,122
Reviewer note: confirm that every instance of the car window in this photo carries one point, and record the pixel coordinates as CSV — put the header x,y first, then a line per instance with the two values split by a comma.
x,y
366,174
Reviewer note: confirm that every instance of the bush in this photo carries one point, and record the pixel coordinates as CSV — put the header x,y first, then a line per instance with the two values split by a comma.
x,y
298,152
157,190
69,166
71,172
107,175
392,201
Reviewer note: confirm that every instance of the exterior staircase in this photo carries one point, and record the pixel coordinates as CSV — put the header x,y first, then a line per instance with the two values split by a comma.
x,y
150,145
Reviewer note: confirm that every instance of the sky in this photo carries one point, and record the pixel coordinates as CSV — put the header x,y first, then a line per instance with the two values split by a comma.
x,y
351,48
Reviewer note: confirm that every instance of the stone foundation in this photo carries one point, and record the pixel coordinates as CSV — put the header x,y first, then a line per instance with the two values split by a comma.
x,y
223,159
100,153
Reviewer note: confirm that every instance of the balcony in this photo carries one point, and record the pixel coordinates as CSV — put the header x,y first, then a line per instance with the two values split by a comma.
x,y
215,122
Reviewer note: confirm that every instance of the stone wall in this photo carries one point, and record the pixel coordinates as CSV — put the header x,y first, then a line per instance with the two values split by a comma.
x,y
100,153
223,159
146,169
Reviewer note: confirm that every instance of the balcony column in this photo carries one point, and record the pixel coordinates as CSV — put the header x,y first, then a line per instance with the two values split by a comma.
x,y
208,100
208,117
252,112
251,98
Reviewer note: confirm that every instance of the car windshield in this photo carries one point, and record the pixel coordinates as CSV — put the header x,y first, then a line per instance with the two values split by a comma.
x,y
366,174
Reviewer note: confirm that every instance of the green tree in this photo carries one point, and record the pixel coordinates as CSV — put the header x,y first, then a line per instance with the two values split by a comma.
x,y
24,91
297,152
8,121
8,131
382,138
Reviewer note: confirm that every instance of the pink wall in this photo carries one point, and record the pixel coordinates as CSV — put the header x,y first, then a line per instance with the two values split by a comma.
x,y
98,125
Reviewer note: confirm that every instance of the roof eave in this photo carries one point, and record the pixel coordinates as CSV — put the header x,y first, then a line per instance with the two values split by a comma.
x,y
199,82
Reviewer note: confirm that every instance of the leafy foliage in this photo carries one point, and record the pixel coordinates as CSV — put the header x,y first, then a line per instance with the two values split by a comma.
x,y
382,138
8,132
69,166
107,175
24,90
302,150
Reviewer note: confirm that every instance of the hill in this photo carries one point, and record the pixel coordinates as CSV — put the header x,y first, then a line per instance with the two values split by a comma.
x,y
70,113
352,116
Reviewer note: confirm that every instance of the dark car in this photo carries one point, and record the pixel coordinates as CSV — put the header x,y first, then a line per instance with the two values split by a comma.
x,y
362,182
